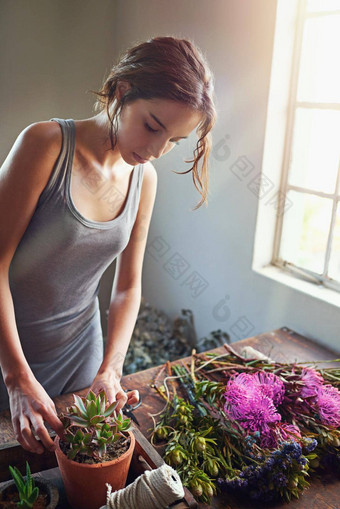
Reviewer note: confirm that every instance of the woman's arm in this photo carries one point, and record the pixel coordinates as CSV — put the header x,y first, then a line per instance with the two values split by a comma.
x,y
126,297
23,176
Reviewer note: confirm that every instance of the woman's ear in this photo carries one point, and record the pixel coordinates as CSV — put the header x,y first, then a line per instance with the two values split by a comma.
x,y
121,88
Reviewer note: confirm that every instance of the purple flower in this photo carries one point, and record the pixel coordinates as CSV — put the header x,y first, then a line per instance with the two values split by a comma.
x,y
237,393
309,445
249,400
312,382
270,385
328,403
257,413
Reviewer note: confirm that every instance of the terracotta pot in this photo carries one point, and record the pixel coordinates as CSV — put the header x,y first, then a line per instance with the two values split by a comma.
x,y
85,483
44,487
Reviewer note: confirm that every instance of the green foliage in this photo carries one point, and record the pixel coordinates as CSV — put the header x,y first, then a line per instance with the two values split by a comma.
x,y
91,425
28,492
192,447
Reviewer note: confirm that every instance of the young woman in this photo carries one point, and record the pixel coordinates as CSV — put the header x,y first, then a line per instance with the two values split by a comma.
x,y
75,195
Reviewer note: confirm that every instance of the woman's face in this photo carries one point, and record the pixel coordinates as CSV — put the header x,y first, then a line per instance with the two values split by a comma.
x,y
151,128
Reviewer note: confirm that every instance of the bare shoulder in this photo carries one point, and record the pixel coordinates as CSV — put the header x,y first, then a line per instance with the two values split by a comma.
x,y
150,171
34,153
45,134
149,189
150,176
23,176
149,186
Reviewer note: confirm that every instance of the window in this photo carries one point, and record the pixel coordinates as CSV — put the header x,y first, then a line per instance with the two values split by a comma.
x,y
307,237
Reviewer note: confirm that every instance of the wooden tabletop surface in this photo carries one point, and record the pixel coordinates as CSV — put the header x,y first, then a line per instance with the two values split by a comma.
x,y
282,345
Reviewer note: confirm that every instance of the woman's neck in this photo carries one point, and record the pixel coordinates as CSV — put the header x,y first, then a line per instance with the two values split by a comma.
x,y
93,141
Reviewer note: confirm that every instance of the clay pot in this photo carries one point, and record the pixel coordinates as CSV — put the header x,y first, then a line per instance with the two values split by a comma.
x,y
85,484
46,487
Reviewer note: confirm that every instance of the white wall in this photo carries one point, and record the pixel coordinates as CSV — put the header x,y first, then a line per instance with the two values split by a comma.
x,y
217,242
54,51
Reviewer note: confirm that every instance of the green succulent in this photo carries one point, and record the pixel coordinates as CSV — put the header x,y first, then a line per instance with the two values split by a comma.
x,y
91,425
28,492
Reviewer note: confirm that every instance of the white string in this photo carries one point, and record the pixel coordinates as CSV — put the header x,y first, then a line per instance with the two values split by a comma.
x,y
155,489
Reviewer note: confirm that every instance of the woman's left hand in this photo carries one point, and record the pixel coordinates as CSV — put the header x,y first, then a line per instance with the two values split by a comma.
x,y
110,382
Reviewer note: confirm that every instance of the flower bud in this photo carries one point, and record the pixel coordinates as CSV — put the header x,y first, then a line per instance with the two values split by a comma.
x,y
161,432
183,419
213,469
200,444
196,490
208,490
176,457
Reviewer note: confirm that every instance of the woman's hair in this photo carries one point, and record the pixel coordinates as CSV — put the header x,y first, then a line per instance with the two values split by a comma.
x,y
168,68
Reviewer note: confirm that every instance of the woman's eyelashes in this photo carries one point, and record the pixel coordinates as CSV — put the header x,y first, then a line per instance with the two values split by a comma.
x,y
149,128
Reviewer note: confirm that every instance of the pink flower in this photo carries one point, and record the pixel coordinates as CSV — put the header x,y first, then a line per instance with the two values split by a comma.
x,y
252,409
238,391
328,403
258,413
251,399
312,382
270,385
242,387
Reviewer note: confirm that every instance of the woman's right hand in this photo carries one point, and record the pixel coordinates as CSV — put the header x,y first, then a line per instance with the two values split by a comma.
x,y
31,407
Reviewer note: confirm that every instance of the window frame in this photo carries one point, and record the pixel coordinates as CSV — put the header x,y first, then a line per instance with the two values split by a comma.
x,y
293,105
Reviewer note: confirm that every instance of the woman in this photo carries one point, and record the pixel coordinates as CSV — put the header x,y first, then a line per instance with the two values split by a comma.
x,y
74,195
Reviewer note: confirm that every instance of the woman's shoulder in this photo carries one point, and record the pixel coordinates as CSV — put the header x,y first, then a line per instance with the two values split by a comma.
x,y
150,173
33,154
149,187
46,135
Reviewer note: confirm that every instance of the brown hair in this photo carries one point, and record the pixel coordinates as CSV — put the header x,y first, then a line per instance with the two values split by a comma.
x,y
170,68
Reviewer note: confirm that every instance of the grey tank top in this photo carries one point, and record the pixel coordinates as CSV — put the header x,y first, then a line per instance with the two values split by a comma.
x,y
56,269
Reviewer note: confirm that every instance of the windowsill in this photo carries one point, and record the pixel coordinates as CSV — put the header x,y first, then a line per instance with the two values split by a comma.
x,y
319,292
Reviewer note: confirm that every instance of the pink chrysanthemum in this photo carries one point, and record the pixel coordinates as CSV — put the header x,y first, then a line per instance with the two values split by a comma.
x,y
270,385
258,413
250,399
328,403
238,391
241,387
312,382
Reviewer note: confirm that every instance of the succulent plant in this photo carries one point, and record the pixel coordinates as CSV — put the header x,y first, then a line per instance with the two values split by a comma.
x,y
91,424
28,492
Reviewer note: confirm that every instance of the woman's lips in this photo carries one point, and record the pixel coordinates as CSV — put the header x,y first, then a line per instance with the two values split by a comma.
x,y
139,159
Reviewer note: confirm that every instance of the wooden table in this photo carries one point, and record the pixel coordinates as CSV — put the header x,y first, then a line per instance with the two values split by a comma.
x,y
282,345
